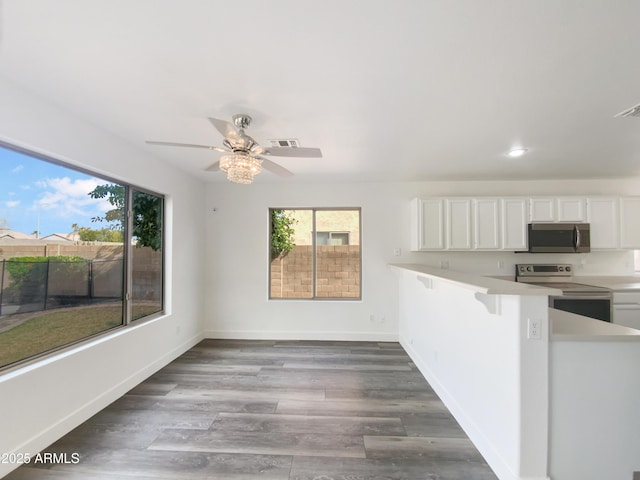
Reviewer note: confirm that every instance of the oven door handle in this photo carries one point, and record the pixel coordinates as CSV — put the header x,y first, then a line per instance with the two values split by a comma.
x,y
576,237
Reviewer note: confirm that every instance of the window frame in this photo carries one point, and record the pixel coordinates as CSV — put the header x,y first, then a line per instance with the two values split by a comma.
x,y
127,271
314,296
129,249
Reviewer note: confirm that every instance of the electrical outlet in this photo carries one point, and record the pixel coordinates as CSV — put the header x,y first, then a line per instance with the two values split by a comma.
x,y
533,329
397,252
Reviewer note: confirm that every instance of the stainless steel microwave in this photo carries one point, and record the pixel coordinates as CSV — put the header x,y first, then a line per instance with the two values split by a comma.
x,y
559,238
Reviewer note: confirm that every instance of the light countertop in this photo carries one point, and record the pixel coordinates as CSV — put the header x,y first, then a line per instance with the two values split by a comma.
x,y
615,283
571,327
564,326
506,285
477,283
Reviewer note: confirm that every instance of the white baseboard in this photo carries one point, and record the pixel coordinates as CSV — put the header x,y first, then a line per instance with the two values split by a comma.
x,y
301,335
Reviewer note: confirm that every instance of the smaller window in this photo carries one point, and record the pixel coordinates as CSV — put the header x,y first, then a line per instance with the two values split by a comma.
x,y
315,253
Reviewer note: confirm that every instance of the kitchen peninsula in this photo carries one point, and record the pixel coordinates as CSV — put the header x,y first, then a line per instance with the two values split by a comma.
x,y
542,393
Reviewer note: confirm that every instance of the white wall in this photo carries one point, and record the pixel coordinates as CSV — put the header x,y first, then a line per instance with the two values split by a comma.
x,y
238,265
237,253
46,399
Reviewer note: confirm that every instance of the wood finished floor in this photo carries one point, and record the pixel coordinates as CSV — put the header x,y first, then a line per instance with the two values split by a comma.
x,y
271,410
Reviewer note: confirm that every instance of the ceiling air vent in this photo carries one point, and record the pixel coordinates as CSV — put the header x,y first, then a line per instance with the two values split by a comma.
x,y
630,112
285,142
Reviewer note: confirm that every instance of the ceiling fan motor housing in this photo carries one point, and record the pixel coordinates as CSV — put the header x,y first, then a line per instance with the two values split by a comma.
x,y
241,120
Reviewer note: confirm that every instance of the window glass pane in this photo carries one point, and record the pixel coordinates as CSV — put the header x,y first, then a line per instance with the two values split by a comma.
x,y
291,271
322,238
326,268
146,255
338,262
61,257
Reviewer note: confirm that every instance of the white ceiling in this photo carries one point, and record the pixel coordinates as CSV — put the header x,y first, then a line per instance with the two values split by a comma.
x,y
389,90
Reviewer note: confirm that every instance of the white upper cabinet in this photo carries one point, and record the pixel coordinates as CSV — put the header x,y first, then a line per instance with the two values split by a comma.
x,y
514,224
557,209
630,222
571,209
441,223
427,219
603,215
490,223
486,223
458,223
542,209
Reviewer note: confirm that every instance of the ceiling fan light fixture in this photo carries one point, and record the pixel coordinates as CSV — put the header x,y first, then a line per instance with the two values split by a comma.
x,y
240,168
241,161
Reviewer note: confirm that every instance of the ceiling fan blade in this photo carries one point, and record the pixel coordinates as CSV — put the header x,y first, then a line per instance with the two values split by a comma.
x,y
275,168
214,167
191,145
293,152
226,129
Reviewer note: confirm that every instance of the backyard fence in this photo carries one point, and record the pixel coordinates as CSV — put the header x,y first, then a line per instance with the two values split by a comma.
x,y
41,285
337,272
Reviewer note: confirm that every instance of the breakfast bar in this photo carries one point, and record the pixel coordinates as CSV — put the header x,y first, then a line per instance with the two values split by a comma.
x,y
525,382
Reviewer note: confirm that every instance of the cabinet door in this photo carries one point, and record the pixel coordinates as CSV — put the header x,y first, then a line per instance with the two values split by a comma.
x,y
630,222
459,224
514,224
427,224
571,209
602,214
542,209
486,223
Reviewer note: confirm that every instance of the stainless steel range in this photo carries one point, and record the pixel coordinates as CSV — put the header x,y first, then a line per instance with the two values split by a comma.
x,y
586,300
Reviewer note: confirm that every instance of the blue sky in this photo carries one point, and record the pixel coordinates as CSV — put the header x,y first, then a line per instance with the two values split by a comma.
x,y
36,193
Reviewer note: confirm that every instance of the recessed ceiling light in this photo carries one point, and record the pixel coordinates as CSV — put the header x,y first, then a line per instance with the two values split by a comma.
x,y
517,152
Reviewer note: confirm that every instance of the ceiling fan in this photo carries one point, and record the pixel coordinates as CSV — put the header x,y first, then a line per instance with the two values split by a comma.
x,y
244,158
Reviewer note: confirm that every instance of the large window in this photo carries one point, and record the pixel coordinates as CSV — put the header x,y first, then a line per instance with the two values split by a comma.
x,y
315,253
73,263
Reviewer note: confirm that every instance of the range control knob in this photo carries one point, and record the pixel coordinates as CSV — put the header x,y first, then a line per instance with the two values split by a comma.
x,y
568,268
529,268
561,269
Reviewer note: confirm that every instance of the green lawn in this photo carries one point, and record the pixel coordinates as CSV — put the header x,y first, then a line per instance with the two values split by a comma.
x,y
52,329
